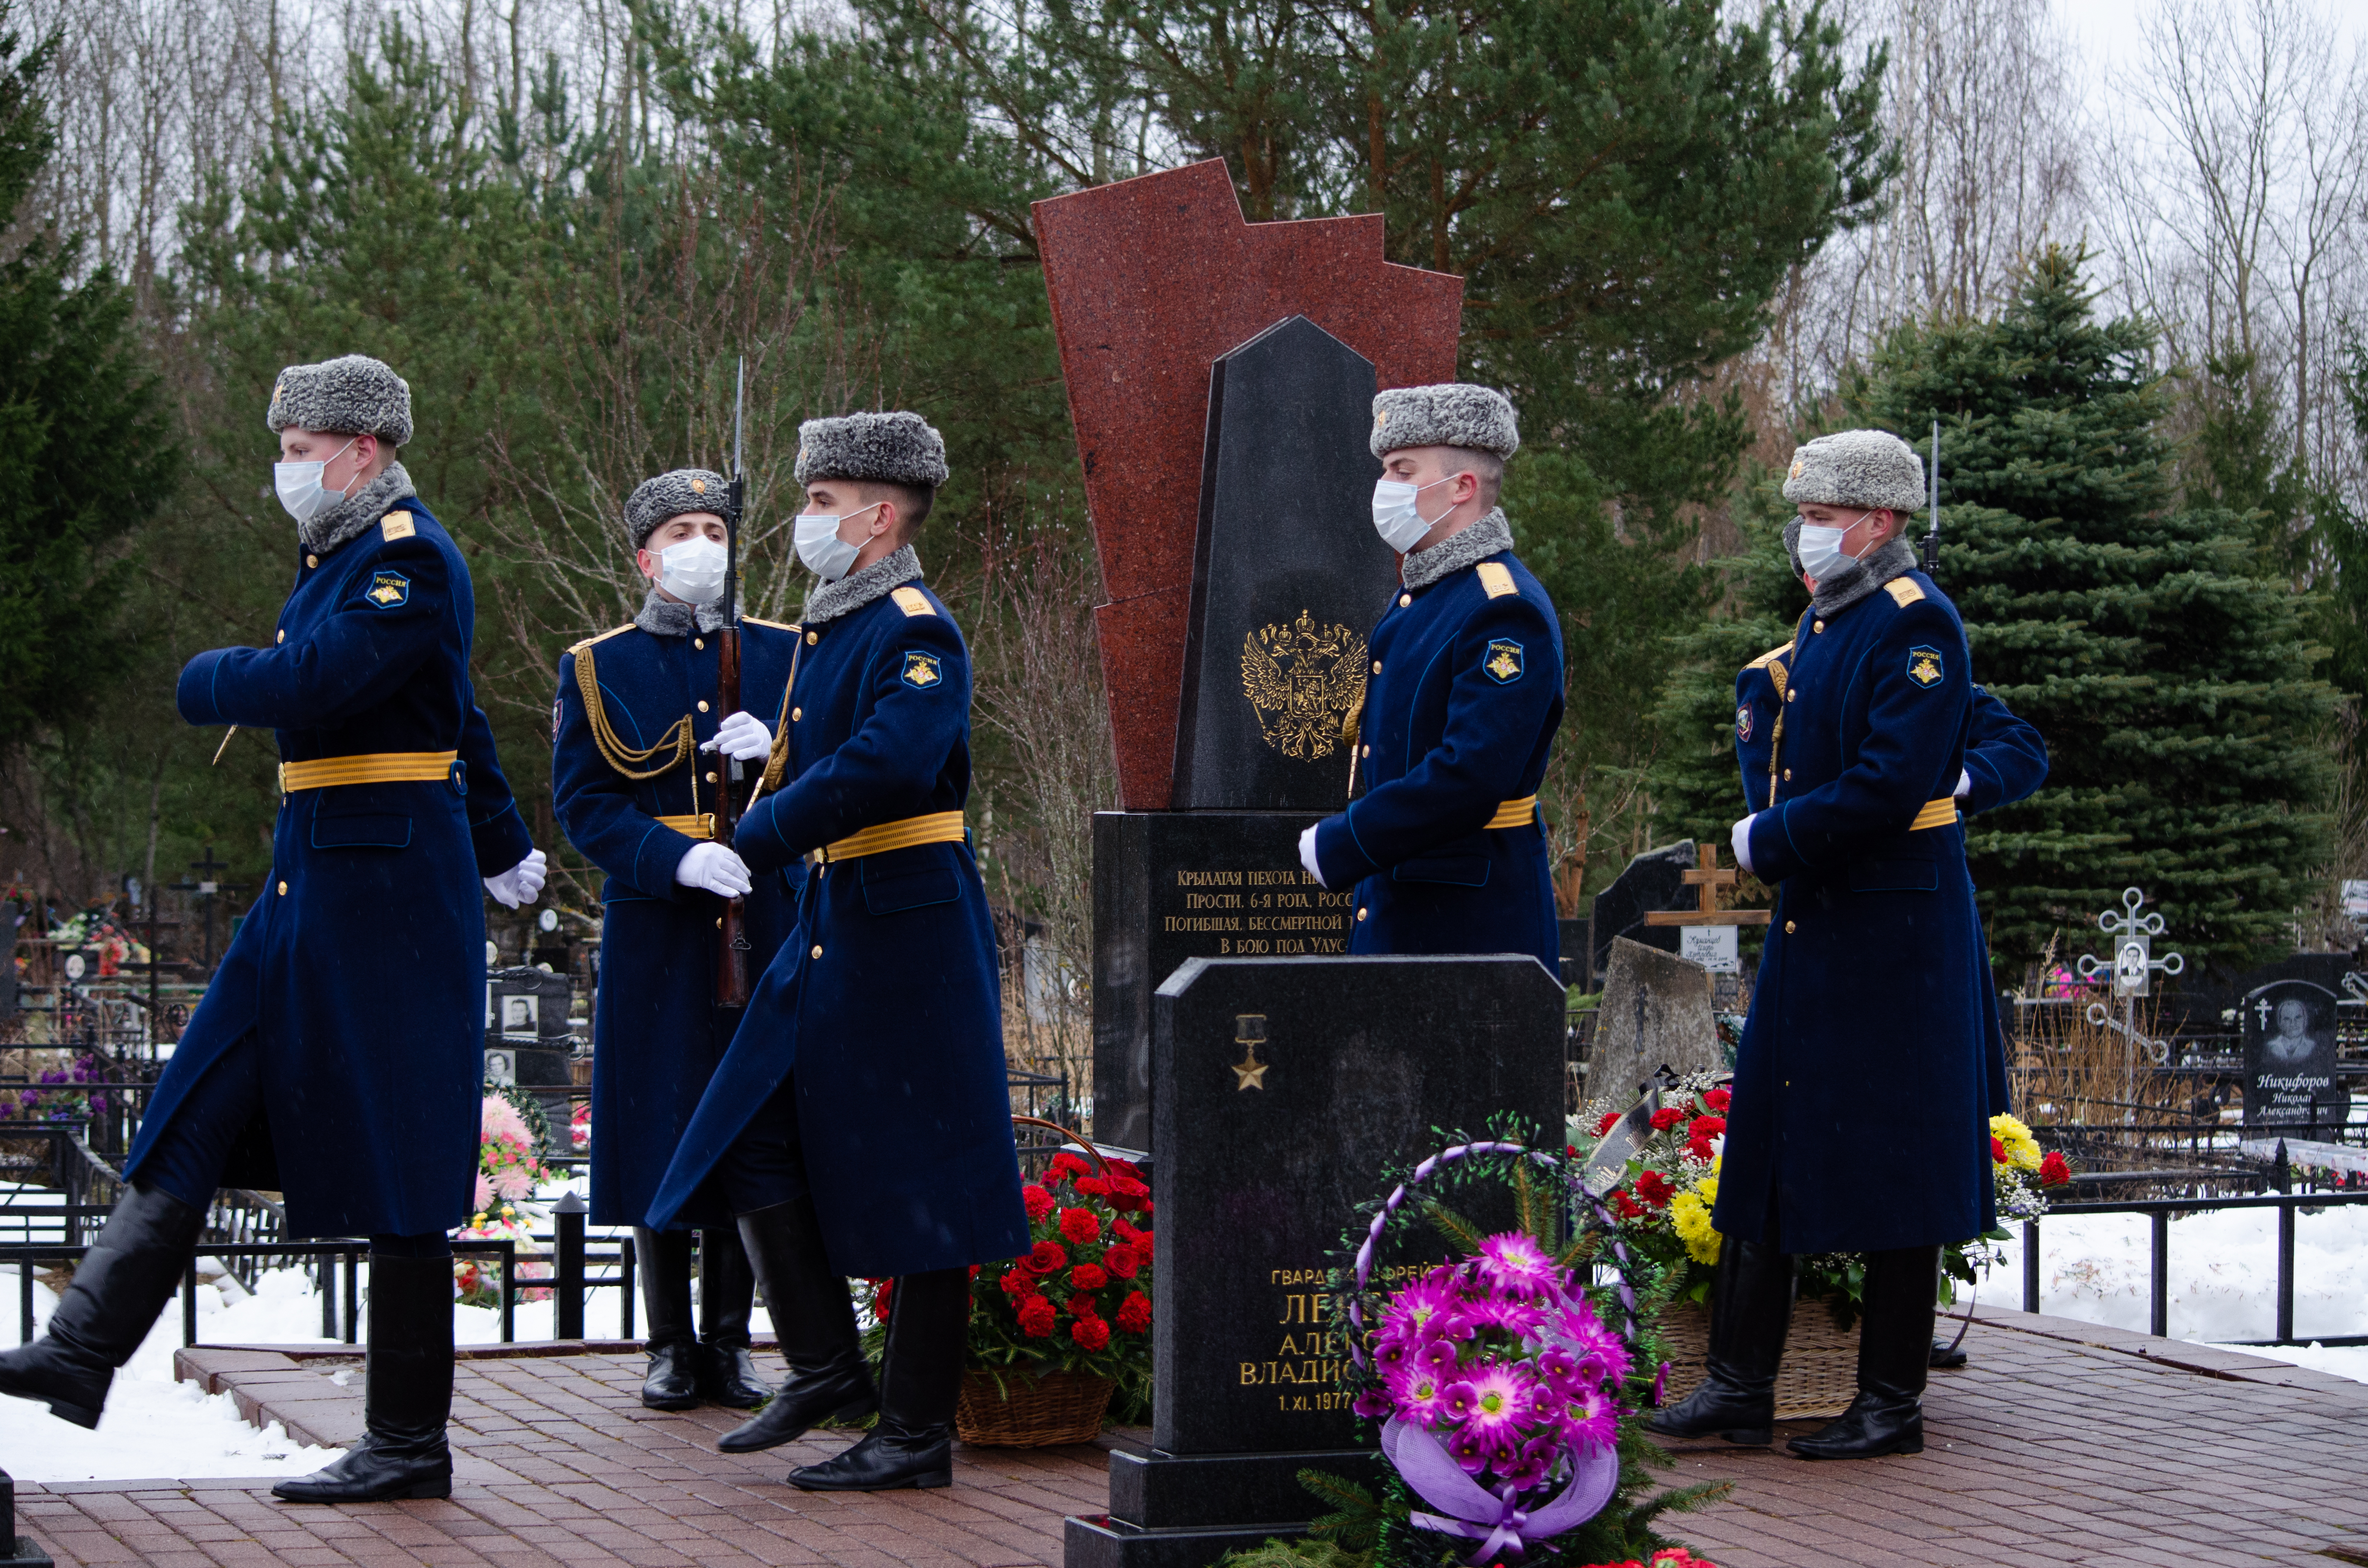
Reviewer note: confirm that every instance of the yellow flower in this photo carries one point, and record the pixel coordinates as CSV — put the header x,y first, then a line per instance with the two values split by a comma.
x,y
1691,1216
2021,1148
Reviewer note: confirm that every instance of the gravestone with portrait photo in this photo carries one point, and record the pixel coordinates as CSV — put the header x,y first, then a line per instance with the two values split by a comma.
x,y
2291,1079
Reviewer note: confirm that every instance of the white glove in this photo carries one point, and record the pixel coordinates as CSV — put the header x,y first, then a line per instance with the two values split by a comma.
x,y
714,868
522,883
1965,785
1741,839
1307,858
742,737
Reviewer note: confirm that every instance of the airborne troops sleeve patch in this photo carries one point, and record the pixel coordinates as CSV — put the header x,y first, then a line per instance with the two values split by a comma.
x,y
389,590
921,672
1924,665
1504,661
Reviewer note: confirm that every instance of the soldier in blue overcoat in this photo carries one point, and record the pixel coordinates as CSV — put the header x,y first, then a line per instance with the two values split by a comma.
x,y
1864,1067
639,752
861,1124
1445,848
338,1054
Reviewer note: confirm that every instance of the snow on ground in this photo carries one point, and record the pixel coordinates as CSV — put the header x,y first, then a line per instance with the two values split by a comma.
x,y
2223,1278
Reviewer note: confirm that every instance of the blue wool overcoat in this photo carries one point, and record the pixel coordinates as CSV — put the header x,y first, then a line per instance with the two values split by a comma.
x,y
883,1007
1462,704
656,1031
360,970
1868,1070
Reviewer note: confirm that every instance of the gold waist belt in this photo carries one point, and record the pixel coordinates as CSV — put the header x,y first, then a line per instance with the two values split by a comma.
x,y
937,827
1936,813
700,827
1516,813
380,768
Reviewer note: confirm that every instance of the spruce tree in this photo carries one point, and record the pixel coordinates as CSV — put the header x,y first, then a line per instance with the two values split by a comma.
x,y
2167,665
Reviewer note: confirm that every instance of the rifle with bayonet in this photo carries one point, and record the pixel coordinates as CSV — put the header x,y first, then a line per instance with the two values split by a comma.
x,y
732,930
1932,517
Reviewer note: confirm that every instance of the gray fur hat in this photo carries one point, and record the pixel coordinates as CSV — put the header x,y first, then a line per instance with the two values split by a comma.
x,y
670,495
1451,414
1857,468
890,448
353,394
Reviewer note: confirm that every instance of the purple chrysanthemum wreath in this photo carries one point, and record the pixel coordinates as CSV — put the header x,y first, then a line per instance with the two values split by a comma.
x,y
1496,1384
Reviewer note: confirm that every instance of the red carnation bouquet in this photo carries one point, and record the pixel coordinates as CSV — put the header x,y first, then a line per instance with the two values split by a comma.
x,y
1079,1300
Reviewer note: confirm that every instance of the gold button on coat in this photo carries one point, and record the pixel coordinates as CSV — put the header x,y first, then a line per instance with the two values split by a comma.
x,y
283,889
1377,666
1361,915
698,641
312,560
812,638
702,705
1405,599
1365,751
710,777
1792,696
1788,775
282,637
1819,626
796,714
817,949
1788,928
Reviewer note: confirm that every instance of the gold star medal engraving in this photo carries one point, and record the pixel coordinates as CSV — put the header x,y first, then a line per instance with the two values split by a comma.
x,y
1303,680
1249,1032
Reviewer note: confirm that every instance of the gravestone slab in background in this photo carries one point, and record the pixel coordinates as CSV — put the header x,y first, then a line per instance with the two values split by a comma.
x,y
1170,887
1288,577
1281,1087
1657,1009
2288,1028
1655,879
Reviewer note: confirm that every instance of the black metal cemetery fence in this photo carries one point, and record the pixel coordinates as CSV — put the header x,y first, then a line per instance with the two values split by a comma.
x,y
2159,1213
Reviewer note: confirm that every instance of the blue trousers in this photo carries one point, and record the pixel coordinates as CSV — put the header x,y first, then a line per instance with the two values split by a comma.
x,y
188,1158
766,1163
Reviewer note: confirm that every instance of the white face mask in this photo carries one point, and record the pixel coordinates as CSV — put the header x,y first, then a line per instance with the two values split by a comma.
x,y
300,488
693,571
826,555
1397,517
1821,547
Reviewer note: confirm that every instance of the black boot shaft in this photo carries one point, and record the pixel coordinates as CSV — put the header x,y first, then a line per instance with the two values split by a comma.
x,y
1895,1351
813,1317
665,1267
119,1287
408,1399
1752,1290
929,1339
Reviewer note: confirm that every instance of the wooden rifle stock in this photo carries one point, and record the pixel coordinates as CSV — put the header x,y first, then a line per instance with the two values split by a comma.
x,y
731,945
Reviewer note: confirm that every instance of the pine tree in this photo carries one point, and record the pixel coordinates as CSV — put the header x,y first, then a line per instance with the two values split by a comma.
x,y
2167,665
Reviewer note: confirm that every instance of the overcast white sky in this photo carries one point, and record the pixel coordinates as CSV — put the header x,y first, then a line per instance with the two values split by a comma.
x,y
2108,31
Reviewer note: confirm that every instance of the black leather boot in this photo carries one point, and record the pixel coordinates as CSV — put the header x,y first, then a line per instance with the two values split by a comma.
x,y
913,1442
1895,1350
665,1260
814,1318
408,1396
1750,1309
727,1290
119,1287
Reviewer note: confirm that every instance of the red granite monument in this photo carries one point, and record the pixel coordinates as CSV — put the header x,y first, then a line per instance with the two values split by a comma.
x,y
1151,280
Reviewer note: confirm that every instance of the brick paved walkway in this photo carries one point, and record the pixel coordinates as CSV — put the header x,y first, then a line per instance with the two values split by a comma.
x,y
2061,1443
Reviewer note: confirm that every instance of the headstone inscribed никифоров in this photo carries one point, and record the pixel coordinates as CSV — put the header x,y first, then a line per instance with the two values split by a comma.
x,y
2288,1028
1282,1088
1656,1011
1288,577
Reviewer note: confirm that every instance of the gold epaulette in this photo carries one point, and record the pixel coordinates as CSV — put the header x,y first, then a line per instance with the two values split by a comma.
x,y
1903,592
1495,580
776,625
1768,657
579,647
679,739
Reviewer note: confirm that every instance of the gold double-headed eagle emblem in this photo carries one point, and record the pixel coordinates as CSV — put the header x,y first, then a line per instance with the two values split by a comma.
x,y
1303,681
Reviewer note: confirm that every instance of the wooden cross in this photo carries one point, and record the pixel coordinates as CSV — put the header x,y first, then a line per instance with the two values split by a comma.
x,y
1706,883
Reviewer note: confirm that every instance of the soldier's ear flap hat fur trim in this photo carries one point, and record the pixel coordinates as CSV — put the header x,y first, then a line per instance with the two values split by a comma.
x,y
1857,468
353,394
669,495
886,448
1453,413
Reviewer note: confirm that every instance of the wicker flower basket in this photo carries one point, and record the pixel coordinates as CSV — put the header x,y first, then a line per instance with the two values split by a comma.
x,y
1030,1410
1817,1378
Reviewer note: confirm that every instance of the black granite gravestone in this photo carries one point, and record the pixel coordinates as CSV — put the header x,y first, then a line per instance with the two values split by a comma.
x,y
1297,1080
1171,886
527,1040
2288,1029
1655,879
1288,577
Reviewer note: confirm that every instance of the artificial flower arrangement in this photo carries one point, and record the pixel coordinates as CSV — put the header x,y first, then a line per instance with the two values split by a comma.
x,y
1663,1206
509,1169
1511,1383
579,1128
61,1094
